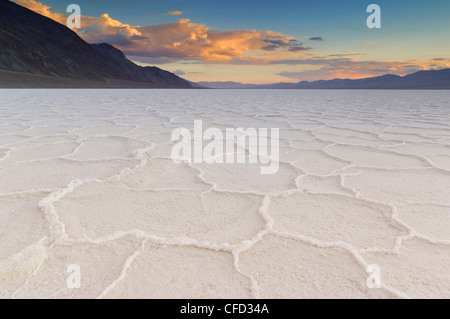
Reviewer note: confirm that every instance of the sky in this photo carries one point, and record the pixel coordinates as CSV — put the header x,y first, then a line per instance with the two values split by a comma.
x,y
266,41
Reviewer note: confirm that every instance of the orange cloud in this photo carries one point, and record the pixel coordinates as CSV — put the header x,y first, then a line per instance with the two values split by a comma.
x,y
350,68
187,40
175,13
42,9
107,29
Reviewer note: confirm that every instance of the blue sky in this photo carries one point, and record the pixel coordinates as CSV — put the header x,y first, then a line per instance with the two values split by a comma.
x,y
413,32
282,14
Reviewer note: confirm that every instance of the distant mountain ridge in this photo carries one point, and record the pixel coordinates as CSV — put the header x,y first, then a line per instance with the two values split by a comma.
x,y
36,45
422,80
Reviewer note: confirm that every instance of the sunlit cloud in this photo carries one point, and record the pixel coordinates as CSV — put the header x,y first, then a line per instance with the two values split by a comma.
x,y
42,9
109,30
187,40
175,13
350,68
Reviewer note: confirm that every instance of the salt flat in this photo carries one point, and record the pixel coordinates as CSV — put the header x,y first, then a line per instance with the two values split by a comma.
x,y
87,179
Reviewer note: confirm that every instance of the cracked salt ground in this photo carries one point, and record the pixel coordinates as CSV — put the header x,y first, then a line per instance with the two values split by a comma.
x,y
156,212
331,218
39,152
87,179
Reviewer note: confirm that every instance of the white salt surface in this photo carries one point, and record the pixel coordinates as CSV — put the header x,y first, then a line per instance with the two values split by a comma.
x,y
87,179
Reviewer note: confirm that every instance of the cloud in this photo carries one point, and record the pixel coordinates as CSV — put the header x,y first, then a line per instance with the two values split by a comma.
x,y
340,55
316,39
107,29
187,40
139,37
278,43
175,13
327,67
179,72
42,9
299,49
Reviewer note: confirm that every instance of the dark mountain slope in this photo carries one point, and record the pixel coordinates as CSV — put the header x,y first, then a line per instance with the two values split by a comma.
x,y
138,73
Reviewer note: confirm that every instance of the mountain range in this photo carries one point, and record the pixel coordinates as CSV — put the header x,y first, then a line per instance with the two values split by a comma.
x,y
421,80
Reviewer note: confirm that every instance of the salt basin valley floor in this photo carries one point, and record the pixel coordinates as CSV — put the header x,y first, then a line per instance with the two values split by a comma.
x,y
87,180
